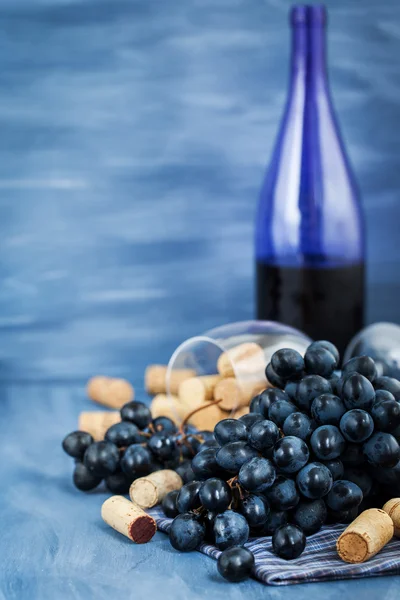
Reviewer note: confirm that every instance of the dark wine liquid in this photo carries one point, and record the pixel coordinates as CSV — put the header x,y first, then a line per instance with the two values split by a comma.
x,y
325,303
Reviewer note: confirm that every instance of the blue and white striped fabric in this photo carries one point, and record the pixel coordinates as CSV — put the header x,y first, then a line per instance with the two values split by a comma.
x,y
319,561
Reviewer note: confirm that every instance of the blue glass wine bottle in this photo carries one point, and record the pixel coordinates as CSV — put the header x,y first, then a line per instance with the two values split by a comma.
x,y
309,230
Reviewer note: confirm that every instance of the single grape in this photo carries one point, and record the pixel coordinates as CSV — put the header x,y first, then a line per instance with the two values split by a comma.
x,y
263,435
250,419
137,461
233,455
137,413
381,395
310,516
215,495
235,564
186,532
268,397
169,504
327,442
335,466
359,477
230,430
390,384
255,404
280,410
288,541
205,465
118,483
344,495
163,446
76,443
364,365
314,480
230,529
255,509
319,361
101,458
290,454
327,409
257,475
283,494
189,497
310,387
353,455
386,411
83,479
123,434
382,450
287,363
356,425
327,346
273,378
185,471
358,392
164,425
299,425
275,519
291,390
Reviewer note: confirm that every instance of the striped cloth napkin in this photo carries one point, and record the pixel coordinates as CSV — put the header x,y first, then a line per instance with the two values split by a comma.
x,y
319,561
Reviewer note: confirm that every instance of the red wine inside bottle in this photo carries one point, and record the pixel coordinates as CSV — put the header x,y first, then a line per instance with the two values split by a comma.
x,y
324,302
310,235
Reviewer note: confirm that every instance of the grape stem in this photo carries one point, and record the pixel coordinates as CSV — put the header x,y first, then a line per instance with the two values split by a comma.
x,y
193,412
236,488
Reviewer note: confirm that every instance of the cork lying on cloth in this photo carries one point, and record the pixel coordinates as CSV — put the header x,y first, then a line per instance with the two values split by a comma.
x,y
319,561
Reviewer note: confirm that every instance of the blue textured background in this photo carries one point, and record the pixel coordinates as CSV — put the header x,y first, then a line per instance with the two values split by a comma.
x,y
134,136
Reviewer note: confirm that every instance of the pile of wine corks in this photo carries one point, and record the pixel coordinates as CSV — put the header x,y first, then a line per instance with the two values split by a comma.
x,y
369,532
239,378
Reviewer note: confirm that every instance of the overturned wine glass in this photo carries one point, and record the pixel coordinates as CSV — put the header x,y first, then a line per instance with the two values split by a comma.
x,y
225,368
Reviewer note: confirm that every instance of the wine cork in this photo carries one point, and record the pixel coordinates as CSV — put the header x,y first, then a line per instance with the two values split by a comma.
x,y
96,422
197,390
242,359
110,392
95,386
168,406
156,383
365,536
148,491
392,508
234,395
207,418
129,519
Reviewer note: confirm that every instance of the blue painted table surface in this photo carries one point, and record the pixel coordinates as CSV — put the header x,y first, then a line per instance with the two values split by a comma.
x,y
134,136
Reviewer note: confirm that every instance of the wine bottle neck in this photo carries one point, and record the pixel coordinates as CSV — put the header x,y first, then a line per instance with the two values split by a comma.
x,y
308,62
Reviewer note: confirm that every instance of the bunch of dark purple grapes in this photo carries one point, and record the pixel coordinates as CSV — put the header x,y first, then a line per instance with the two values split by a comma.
x,y
320,446
133,448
